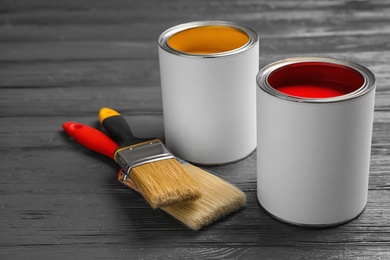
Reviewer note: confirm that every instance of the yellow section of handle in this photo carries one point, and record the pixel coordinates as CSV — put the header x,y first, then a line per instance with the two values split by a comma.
x,y
106,112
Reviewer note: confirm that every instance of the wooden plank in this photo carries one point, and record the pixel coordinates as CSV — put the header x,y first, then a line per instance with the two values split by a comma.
x,y
82,87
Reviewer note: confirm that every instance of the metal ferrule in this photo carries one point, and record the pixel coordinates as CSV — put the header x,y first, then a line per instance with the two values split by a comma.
x,y
122,178
139,154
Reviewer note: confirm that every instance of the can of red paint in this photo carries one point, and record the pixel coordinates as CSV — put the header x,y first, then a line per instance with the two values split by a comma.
x,y
208,80
314,129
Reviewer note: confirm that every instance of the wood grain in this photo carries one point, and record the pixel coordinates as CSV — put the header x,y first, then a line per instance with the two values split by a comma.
x,y
63,60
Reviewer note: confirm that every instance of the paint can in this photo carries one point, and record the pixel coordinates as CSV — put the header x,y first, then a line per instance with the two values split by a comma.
x,y
314,130
208,80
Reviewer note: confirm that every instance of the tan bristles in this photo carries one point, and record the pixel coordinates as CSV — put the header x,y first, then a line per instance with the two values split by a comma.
x,y
164,183
219,198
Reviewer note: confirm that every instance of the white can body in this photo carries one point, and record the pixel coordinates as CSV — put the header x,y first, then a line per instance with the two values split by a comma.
x,y
209,104
313,158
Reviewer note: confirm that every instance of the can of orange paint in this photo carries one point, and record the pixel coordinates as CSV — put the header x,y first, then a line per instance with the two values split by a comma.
x,y
314,129
208,79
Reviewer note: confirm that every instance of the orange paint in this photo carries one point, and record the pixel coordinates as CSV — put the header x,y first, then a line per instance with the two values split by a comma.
x,y
208,40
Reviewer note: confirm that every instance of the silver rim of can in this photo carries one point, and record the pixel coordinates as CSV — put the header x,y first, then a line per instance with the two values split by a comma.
x,y
367,86
164,37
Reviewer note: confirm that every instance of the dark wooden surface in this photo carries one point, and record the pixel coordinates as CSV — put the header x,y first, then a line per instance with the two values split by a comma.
x,y
63,60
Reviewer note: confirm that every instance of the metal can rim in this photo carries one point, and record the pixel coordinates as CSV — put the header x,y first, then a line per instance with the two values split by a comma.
x,y
164,37
367,86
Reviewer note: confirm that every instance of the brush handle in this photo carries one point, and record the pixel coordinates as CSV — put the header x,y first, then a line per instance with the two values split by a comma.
x,y
118,127
91,138
98,142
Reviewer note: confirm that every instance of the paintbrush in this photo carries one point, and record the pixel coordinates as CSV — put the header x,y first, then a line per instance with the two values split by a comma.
x,y
155,172
219,197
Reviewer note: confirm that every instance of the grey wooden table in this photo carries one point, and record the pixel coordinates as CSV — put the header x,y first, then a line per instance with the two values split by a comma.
x,y
63,60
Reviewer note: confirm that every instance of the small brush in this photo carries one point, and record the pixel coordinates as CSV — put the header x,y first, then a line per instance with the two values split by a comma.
x,y
219,197
156,174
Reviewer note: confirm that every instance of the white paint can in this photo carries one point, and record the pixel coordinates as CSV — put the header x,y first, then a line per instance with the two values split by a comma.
x,y
314,130
208,79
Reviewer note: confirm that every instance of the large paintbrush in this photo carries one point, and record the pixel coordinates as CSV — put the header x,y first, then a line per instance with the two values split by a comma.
x,y
219,198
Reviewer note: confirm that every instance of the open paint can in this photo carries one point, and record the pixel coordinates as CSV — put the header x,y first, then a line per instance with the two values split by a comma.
x,y
208,79
314,129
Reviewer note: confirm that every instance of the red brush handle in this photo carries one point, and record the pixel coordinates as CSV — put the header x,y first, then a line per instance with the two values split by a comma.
x,y
91,138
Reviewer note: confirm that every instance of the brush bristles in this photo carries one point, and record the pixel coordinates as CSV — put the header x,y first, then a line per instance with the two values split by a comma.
x,y
164,183
219,198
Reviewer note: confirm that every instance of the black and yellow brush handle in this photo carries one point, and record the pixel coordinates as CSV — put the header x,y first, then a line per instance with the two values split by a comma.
x,y
133,151
118,127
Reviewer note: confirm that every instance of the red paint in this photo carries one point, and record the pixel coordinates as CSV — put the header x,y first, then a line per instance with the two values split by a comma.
x,y
315,80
